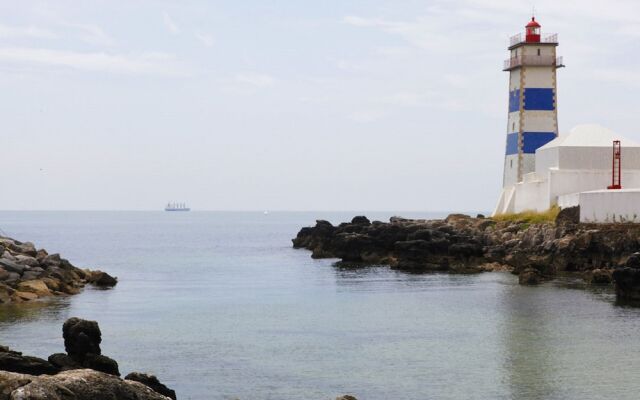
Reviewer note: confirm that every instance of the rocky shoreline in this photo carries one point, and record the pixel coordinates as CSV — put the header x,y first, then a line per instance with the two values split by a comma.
x,y
602,253
82,373
27,273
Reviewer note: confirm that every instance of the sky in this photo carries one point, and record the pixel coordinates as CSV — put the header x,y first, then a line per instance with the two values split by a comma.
x,y
287,105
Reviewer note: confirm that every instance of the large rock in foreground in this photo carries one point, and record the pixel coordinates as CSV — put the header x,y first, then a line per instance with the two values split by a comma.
x,y
80,384
82,373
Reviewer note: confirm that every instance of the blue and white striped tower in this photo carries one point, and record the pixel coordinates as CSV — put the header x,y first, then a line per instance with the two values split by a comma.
x,y
533,114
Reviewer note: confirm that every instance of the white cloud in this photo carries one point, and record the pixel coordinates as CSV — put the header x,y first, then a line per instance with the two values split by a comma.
x,y
426,32
25,31
255,79
92,34
204,38
170,23
145,64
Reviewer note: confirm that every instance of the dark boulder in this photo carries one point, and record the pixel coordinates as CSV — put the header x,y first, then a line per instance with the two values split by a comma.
x,y
467,249
633,261
52,260
529,276
152,382
599,276
11,266
82,340
101,363
81,337
14,361
568,216
627,281
100,278
95,362
63,362
360,220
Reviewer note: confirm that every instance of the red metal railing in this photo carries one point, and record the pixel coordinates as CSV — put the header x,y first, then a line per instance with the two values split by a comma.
x,y
516,39
546,60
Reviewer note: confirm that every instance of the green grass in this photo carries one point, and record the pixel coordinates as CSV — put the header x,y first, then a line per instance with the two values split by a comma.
x,y
530,217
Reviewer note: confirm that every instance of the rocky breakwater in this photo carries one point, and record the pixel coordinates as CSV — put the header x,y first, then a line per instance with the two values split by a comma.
x,y
83,373
462,244
27,273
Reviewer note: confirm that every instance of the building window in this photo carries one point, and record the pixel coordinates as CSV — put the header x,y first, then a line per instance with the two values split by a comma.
x,y
538,51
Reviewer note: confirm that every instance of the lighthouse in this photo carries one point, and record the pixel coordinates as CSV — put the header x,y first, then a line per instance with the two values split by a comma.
x,y
574,169
533,115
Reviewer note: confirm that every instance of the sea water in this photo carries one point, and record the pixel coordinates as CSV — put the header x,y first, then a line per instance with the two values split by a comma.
x,y
220,306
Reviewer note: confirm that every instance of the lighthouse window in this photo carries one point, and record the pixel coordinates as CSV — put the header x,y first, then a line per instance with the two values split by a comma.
x,y
513,126
538,51
511,164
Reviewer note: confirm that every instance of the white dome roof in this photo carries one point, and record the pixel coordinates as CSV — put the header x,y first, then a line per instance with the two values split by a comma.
x,y
589,135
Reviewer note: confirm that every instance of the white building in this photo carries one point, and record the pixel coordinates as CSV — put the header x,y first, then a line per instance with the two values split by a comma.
x,y
577,162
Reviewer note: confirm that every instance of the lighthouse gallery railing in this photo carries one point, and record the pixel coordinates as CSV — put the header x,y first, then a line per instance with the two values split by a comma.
x,y
532,60
550,38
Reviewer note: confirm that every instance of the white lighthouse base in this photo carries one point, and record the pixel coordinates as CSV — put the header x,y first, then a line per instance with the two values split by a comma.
x,y
609,206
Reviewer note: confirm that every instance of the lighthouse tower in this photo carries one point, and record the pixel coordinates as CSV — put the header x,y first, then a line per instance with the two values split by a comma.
x,y
533,114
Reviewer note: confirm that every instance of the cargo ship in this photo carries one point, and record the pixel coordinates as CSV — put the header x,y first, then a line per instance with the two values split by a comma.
x,y
177,207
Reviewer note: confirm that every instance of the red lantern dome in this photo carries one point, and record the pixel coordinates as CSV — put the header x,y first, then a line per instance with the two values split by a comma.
x,y
532,31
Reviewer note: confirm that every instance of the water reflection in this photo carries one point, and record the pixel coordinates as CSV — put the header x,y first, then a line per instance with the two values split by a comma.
x,y
525,335
381,277
51,308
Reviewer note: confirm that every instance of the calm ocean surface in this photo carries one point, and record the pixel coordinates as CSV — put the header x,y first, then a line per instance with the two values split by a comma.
x,y
220,306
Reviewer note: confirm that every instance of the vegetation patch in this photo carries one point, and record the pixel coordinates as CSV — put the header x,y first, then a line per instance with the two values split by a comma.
x,y
530,217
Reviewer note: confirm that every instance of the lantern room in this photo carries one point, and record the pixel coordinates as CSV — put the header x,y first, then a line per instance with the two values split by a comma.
x,y
532,31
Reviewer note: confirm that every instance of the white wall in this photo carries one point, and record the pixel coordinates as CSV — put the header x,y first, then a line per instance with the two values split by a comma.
x,y
591,158
510,170
546,159
569,200
539,121
514,79
531,196
610,206
539,77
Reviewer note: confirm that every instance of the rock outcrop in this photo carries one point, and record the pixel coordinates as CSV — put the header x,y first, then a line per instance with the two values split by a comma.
x,y
462,244
82,340
81,373
14,361
79,384
27,273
